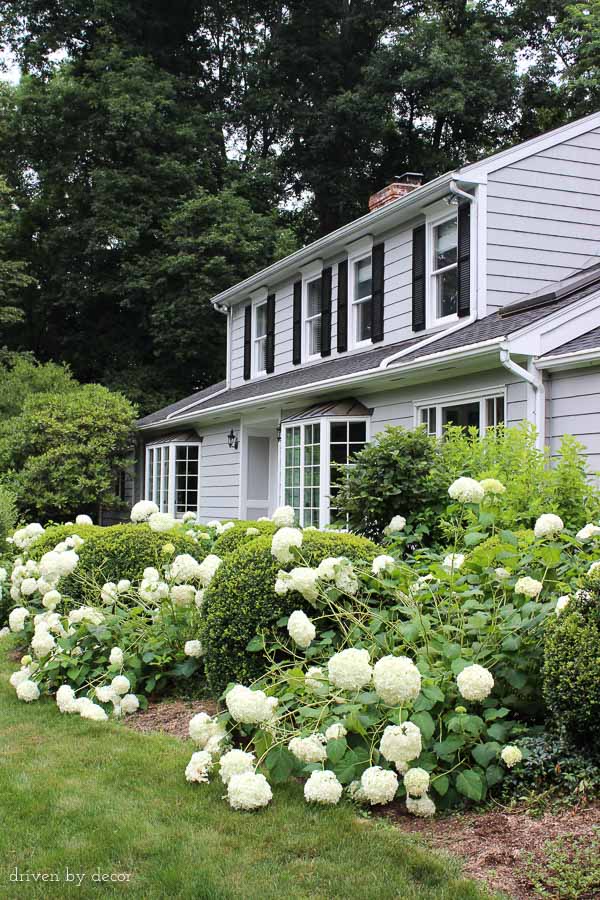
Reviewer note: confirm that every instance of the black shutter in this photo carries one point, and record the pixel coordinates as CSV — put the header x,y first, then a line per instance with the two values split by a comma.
x,y
297,324
464,259
418,278
270,343
342,307
247,342
377,298
326,312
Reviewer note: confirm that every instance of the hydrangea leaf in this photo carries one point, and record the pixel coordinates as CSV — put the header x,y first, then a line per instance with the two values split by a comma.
x,y
483,754
425,722
336,749
470,784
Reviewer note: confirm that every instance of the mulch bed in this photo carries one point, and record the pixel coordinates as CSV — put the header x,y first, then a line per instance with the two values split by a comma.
x,y
495,844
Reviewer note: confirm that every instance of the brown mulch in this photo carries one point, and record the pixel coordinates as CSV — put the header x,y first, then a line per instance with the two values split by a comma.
x,y
495,844
170,716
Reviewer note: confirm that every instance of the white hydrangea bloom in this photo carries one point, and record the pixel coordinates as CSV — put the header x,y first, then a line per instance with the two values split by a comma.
x,y
42,643
323,787
23,538
401,743
252,532
396,679
416,782
198,767
51,599
19,676
203,728
548,525
327,568
310,749
283,516
151,574
453,561
561,604
301,629
593,567
529,587
199,598
378,785
208,568
28,586
250,707
234,762
501,573
248,791
188,516
183,594
65,699
304,580
283,584
335,731
55,565
116,657
142,511
424,807
120,684
161,522
588,532
282,542
109,592
129,704
492,486
350,670
193,648
184,568
511,756
475,683
382,563
27,691
314,678
83,519
396,524
105,693
123,585
155,591
466,490
221,528
16,619
85,614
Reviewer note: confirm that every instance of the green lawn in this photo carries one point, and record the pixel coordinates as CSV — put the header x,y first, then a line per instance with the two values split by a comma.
x,y
104,799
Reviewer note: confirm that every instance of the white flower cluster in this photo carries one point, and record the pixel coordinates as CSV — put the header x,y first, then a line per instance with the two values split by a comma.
x,y
198,767
161,522
284,516
466,490
184,569
207,732
511,756
220,527
194,649
378,786
453,561
382,563
492,486
340,571
424,807
396,679
475,682
396,525
302,579
282,543
529,587
142,511
249,791
23,538
310,749
301,629
250,707
234,762
350,670
401,744
152,589
588,532
561,604
416,782
548,525
323,787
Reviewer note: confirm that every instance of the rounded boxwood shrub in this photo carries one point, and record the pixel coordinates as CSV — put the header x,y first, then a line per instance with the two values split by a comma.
x,y
54,534
236,537
572,667
241,602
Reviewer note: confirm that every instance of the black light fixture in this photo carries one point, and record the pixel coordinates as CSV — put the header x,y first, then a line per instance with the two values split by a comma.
x,y
232,440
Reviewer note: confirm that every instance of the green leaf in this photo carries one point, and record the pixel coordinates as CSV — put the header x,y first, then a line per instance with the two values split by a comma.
x,y
493,775
441,784
508,537
336,749
280,763
470,784
498,731
256,644
517,679
474,537
458,665
433,693
449,746
425,722
483,754
491,714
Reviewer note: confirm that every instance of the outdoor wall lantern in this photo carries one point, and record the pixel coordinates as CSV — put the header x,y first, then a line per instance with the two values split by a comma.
x,y
232,440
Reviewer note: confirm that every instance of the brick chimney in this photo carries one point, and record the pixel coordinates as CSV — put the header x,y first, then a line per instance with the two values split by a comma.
x,y
400,186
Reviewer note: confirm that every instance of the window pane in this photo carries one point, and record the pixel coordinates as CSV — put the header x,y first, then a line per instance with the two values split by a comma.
x,y
261,320
447,293
445,240
358,431
355,448
362,287
339,432
313,307
363,321
314,337
499,410
339,453
466,415
260,357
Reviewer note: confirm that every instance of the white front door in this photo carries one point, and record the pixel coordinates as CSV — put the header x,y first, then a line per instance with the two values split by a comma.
x,y
258,476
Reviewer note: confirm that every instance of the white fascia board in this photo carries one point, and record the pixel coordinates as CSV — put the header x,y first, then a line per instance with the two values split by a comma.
x,y
559,328
573,360
374,222
530,147
483,348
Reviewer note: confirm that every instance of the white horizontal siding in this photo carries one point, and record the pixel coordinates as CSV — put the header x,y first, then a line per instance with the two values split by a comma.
x,y
543,218
219,473
574,408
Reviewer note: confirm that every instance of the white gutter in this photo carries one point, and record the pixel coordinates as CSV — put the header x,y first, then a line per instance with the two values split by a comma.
x,y
188,406
539,394
431,359
590,354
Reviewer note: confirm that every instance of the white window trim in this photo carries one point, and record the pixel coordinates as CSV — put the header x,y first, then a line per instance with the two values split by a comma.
x,y
435,218
356,252
310,273
457,400
172,447
324,479
256,372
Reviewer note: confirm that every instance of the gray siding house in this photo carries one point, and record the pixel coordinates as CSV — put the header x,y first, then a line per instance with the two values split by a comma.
x,y
473,299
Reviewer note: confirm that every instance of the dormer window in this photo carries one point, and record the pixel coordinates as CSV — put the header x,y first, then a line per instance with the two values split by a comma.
x,y
444,269
361,300
313,318
259,350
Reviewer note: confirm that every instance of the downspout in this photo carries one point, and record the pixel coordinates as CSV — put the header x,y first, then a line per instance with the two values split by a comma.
x,y
226,310
534,379
452,187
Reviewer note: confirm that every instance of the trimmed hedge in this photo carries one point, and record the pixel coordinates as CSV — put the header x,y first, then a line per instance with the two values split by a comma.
x,y
241,602
54,534
572,667
236,537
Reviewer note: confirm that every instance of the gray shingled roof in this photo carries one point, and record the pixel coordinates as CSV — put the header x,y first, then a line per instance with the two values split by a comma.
x,y
499,324
588,341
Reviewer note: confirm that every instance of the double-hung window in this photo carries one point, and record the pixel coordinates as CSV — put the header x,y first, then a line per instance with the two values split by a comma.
x,y
311,453
444,269
361,300
480,413
313,318
173,477
259,349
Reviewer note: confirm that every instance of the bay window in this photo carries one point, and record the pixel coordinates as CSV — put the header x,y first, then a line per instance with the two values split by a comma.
x,y
173,476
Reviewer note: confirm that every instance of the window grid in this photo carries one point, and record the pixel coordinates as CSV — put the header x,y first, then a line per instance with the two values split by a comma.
x,y
313,317
312,475
172,477
186,479
292,469
345,439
